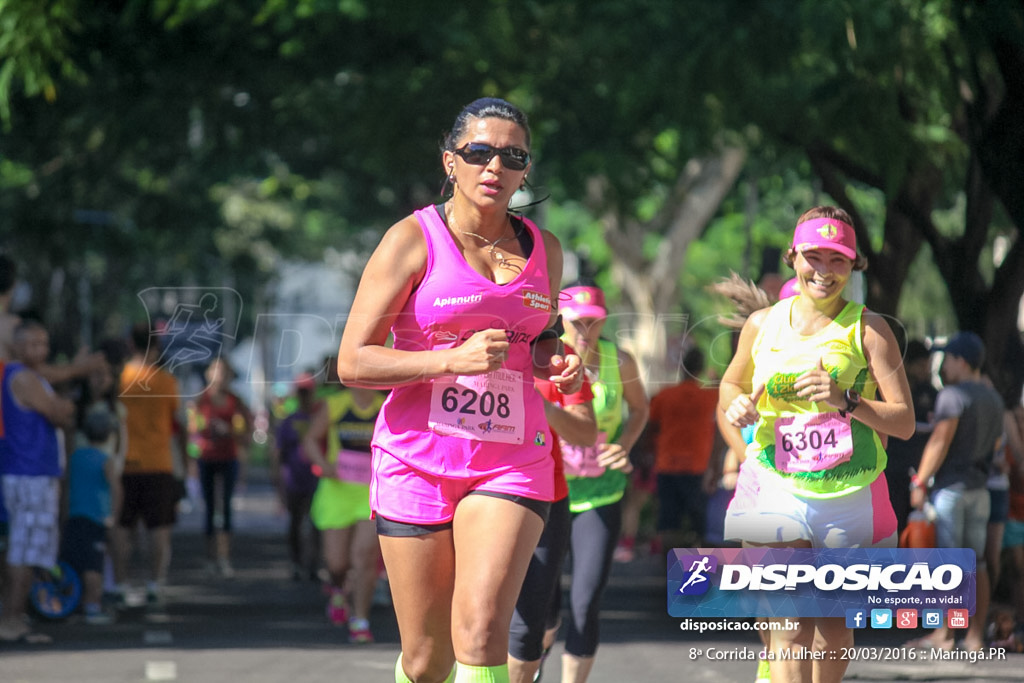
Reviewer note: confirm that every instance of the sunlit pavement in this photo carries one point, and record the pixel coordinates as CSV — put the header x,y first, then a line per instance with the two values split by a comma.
x,y
262,627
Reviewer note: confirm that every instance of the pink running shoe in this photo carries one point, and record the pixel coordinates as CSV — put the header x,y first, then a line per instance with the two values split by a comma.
x,y
623,553
337,610
359,631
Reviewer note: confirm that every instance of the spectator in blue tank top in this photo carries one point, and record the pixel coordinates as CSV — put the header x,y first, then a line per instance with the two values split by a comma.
x,y
30,466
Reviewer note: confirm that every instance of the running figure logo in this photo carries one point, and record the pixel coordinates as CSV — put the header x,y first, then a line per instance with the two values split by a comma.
x,y
191,326
698,567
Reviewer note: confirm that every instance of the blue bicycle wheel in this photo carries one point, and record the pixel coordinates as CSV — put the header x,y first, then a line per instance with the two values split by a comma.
x,y
55,592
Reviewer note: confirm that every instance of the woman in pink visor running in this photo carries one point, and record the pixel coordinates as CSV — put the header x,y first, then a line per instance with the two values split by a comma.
x,y
820,378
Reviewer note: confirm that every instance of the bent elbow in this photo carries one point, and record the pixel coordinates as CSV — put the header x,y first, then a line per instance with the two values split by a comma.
x,y
347,368
906,428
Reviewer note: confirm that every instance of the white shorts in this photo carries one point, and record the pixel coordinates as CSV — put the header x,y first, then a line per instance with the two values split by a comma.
x,y
769,514
32,510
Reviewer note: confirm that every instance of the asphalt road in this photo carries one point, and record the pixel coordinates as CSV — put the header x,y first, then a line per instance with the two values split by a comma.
x,y
263,627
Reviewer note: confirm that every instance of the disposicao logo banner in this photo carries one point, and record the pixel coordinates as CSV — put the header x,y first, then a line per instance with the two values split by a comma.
x,y
802,582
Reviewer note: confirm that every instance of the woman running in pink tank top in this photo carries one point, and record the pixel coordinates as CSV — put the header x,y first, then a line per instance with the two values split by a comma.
x,y
462,475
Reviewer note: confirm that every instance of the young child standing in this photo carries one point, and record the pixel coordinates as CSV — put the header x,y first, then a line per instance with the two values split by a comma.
x,y
94,496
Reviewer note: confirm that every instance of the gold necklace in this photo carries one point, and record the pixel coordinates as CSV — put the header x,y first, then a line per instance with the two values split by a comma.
x,y
496,256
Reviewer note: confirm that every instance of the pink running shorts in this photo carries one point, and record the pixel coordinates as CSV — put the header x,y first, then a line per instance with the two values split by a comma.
x,y
402,493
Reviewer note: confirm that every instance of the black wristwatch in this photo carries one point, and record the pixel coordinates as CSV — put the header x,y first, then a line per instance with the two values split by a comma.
x,y
852,401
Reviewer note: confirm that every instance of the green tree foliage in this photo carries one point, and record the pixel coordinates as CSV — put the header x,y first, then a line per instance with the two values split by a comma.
x,y
206,141
215,137
34,45
912,99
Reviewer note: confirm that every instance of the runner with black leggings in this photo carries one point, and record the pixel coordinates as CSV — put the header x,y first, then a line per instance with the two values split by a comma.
x,y
572,419
597,475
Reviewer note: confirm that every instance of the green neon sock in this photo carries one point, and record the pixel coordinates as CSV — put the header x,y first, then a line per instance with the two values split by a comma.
x,y
400,676
481,674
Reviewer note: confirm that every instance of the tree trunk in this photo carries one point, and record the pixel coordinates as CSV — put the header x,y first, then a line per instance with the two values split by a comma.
x,y
651,285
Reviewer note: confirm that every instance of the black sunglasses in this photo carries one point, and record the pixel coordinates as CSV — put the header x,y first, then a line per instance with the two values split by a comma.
x,y
480,154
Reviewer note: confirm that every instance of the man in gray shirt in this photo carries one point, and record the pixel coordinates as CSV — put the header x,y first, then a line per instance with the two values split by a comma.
x,y
954,468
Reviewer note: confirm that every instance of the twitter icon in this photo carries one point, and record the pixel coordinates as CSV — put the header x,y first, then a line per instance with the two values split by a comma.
x,y
881,618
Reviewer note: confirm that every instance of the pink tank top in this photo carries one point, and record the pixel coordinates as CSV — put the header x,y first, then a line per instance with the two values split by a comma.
x,y
467,427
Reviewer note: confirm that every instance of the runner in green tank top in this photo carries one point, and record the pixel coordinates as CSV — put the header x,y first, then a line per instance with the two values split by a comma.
x,y
821,379
596,475
588,492
341,505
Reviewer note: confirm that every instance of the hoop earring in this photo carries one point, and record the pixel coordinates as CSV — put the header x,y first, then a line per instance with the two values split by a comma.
x,y
526,183
448,187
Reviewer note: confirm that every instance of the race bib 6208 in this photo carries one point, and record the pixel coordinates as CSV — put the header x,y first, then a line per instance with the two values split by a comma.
x,y
482,407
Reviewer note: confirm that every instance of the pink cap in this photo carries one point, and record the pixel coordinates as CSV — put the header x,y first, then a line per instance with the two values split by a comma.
x,y
790,287
826,233
582,302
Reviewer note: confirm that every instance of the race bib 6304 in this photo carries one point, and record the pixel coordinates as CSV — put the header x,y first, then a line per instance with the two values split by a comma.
x,y
811,442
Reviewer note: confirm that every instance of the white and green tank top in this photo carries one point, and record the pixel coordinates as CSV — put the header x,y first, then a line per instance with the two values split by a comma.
x,y
809,448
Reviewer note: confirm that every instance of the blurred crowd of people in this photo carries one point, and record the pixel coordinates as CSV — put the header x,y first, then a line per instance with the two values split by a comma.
x,y
102,448
682,470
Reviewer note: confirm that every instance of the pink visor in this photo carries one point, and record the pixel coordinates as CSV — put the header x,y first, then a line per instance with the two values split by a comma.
x,y
582,302
826,233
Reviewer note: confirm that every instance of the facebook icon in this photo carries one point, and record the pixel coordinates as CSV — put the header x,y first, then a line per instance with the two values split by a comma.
x,y
856,618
